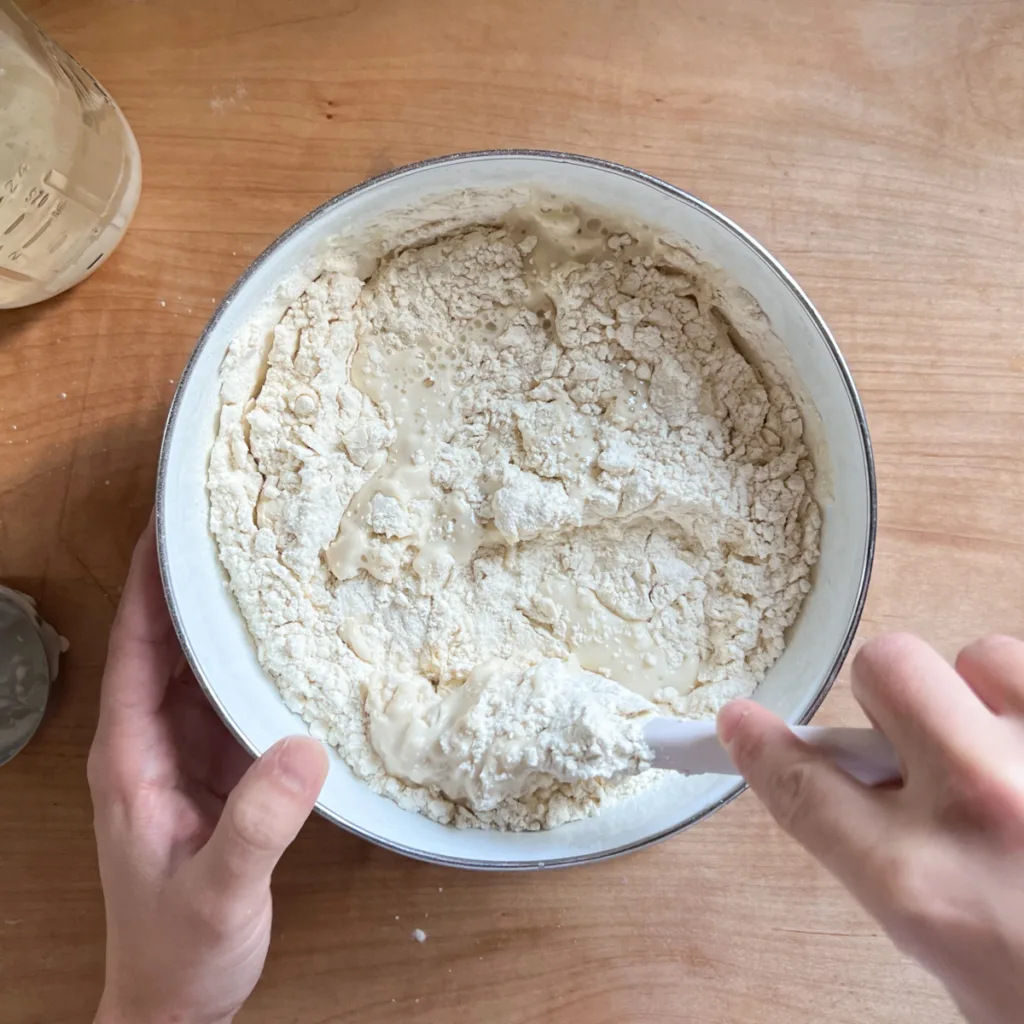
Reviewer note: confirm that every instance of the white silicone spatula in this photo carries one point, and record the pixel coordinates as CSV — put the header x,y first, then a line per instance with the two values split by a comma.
x,y
692,748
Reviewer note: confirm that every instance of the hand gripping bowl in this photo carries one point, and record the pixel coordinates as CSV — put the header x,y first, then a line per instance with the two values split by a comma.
x,y
214,636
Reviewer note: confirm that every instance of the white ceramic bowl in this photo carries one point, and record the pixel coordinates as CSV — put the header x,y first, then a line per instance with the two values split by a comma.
x,y
215,639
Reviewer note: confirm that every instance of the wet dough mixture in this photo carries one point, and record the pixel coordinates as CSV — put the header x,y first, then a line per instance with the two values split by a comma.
x,y
501,467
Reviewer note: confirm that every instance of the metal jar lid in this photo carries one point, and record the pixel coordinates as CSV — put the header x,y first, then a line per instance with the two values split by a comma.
x,y
29,652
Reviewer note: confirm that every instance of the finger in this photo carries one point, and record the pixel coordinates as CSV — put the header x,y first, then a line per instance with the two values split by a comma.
x,y
211,756
918,700
994,668
262,816
826,811
230,759
143,650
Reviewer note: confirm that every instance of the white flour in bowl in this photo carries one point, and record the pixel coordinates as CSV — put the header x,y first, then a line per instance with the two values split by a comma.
x,y
526,454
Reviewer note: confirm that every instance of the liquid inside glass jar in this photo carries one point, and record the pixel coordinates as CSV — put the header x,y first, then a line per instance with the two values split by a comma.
x,y
70,171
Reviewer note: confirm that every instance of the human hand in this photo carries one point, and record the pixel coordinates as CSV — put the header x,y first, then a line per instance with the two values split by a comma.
x,y
939,859
188,828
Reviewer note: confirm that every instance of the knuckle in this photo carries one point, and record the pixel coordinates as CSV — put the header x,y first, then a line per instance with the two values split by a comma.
x,y
214,904
793,796
95,772
210,910
116,783
107,768
981,799
253,821
921,888
749,745
109,780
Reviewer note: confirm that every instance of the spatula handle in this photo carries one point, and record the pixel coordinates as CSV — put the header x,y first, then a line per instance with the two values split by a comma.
x,y
694,750
863,753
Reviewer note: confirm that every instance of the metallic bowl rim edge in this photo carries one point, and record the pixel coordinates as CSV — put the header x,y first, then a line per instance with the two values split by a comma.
x,y
651,181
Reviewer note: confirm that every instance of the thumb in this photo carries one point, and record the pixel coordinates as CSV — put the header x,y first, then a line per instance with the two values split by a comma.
x,y
826,811
262,816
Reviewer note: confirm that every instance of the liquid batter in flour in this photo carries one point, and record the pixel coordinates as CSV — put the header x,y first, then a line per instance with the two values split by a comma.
x,y
490,500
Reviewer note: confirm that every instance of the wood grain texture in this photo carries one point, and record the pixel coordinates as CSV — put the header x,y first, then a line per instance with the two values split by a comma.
x,y
876,147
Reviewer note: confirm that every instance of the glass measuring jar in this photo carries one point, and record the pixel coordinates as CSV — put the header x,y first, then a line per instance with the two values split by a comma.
x,y
70,171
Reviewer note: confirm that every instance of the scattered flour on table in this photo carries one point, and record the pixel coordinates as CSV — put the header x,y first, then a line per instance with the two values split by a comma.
x,y
464,493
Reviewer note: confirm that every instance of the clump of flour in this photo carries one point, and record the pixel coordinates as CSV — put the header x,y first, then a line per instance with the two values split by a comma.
x,y
530,446
507,732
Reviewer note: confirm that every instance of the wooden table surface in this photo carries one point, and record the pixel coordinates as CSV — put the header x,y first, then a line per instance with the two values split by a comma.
x,y
876,147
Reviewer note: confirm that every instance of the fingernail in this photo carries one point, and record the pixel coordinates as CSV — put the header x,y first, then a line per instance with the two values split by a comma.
x,y
729,719
301,763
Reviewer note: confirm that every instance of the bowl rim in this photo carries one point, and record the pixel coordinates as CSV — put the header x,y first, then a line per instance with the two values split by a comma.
x,y
556,156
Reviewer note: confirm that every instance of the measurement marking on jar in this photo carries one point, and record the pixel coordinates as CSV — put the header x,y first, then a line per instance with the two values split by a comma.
x,y
11,185
68,171
39,233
